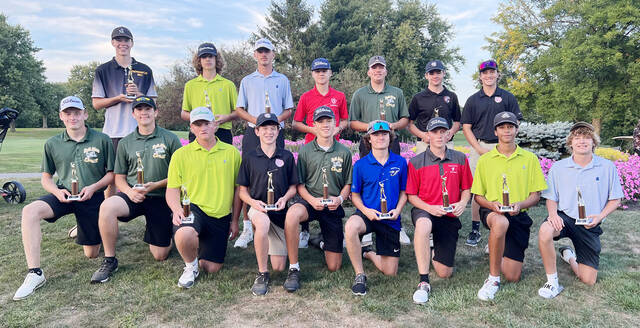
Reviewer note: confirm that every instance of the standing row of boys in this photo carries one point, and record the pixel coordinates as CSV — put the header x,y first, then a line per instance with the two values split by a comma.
x,y
195,193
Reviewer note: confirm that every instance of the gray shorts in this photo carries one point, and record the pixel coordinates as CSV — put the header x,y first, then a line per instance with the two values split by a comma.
x,y
474,156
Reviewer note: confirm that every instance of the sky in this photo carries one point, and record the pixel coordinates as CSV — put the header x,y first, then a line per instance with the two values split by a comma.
x,y
78,32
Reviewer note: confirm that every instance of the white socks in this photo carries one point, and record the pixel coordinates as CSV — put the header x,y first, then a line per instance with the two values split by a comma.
x,y
553,279
193,264
295,266
246,226
492,278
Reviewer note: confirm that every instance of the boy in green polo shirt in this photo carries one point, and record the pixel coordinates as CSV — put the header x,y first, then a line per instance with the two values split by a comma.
x,y
83,159
207,170
324,171
148,149
506,174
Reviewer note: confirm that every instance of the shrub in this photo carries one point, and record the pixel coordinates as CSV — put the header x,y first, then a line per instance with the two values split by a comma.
x,y
612,154
544,140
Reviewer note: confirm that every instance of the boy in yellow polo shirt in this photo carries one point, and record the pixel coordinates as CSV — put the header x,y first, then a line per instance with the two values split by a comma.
x,y
207,169
509,169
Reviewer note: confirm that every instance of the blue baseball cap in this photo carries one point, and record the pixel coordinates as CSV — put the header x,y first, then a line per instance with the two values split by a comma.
x,y
267,118
437,122
434,65
323,111
320,63
207,48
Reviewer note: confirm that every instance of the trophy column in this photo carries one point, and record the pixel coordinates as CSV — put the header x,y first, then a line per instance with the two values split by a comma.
x,y
506,207
74,183
325,188
384,211
383,113
130,80
582,211
446,205
271,195
139,173
186,207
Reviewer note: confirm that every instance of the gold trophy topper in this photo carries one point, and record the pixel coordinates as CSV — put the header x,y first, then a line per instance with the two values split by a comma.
x,y
207,100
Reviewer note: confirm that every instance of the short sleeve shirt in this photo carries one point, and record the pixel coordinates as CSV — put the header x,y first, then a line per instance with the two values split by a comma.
x,y
365,104
424,104
208,175
222,96
425,176
523,171
598,181
480,110
313,99
251,95
109,81
368,173
93,157
337,164
155,152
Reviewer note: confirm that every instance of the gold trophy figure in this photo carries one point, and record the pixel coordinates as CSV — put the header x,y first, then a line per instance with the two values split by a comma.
x,y
207,101
139,173
130,80
383,113
186,207
582,211
436,112
271,195
384,211
75,190
505,196
267,103
325,188
446,205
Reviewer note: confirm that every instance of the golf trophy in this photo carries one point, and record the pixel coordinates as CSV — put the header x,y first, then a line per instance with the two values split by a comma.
x,y
384,213
267,103
436,112
139,173
186,207
130,80
325,188
446,206
582,211
383,113
271,195
207,100
505,196
74,183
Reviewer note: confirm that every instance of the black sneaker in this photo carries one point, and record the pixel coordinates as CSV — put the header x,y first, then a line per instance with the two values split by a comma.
x,y
261,284
107,268
474,238
359,285
293,281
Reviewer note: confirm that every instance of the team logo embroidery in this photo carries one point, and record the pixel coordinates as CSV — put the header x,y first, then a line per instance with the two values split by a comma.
x,y
597,178
334,101
447,99
394,170
524,167
279,162
498,99
159,151
453,169
267,115
121,30
390,101
220,89
91,155
433,64
336,164
505,115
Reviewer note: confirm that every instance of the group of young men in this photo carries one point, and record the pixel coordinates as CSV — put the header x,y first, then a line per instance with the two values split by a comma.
x,y
193,195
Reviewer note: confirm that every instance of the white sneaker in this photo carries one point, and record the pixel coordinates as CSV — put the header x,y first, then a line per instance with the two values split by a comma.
x,y
30,284
245,238
486,249
421,295
188,277
73,232
404,239
549,290
488,290
367,240
304,239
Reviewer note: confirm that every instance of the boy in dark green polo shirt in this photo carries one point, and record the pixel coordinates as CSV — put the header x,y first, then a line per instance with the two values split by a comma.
x,y
324,171
91,155
148,148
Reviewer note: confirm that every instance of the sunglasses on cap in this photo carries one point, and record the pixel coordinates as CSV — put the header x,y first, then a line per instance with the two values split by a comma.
x,y
489,64
380,126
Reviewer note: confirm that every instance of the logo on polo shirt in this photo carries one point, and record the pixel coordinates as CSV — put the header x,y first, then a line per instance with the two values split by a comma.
x,y
279,162
453,169
498,99
390,101
334,101
394,170
159,150
336,164
91,155
447,99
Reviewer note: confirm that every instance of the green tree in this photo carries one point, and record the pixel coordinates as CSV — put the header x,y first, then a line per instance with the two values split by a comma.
x,y
80,83
170,91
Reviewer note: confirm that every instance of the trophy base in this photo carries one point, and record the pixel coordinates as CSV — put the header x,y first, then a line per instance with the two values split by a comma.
x,y
506,208
138,186
270,207
583,221
188,219
326,202
132,97
448,209
384,216
73,197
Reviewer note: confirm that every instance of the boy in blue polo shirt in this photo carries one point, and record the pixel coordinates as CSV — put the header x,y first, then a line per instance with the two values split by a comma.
x,y
377,188
595,180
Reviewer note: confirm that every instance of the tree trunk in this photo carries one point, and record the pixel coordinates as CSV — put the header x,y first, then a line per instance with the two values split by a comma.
x,y
12,126
44,122
597,124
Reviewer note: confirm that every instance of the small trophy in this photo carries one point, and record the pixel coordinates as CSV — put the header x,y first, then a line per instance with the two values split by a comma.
x,y
383,113
436,112
74,183
267,103
505,196
207,100
139,173
582,211
130,81
325,188
271,195
446,206
186,207
384,213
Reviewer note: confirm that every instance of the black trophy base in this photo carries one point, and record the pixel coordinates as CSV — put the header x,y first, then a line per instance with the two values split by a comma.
x,y
505,209
448,209
271,207
584,221
73,197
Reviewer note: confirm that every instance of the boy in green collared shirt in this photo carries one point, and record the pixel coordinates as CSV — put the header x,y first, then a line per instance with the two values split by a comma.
x,y
509,231
149,147
207,169
91,153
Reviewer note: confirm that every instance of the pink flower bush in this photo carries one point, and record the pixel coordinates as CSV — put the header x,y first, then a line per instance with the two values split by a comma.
x,y
545,163
629,172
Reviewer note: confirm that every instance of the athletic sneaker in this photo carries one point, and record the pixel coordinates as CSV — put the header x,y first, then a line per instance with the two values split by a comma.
x,y
304,239
32,282
359,286
261,284
107,268
73,232
188,277
404,239
549,290
567,254
293,281
431,240
421,295
474,238
367,240
488,290
245,238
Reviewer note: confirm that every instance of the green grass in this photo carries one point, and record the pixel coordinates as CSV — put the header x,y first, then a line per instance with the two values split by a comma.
x,y
144,293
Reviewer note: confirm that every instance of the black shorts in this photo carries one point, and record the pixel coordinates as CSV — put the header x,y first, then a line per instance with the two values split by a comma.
x,y
213,234
330,225
445,235
585,241
250,141
223,134
517,237
387,238
158,216
86,216
115,142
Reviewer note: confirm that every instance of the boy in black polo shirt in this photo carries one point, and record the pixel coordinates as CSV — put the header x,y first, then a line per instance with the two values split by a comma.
x,y
267,176
81,153
149,148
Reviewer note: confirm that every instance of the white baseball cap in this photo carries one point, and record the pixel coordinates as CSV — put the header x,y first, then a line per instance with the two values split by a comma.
x,y
71,102
201,113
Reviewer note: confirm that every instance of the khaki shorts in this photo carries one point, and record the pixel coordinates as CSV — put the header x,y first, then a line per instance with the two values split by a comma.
x,y
277,242
474,156
422,146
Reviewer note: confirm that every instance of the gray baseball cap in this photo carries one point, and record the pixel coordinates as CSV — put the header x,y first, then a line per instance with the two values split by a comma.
x,y
377,60
201,113
505,117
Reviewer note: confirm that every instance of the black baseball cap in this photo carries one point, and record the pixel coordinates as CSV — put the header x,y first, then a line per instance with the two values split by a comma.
x,y
437,122
578,125
121,31
143,100
505,117
266,119
434,65
207,48
323,111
